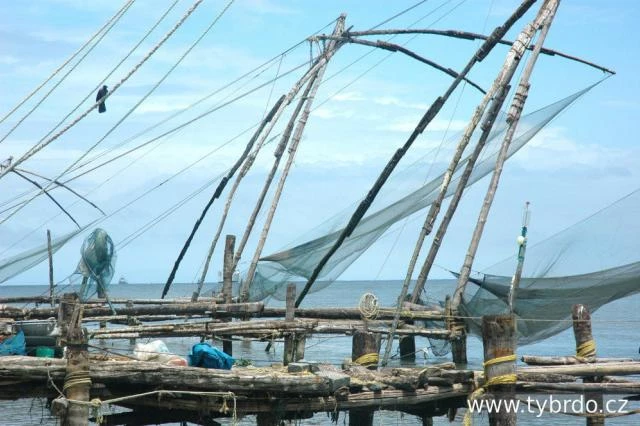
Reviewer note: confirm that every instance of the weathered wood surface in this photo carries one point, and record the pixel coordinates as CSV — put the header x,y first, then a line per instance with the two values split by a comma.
x,y
260,328
46,299
604,387
15,369
592,369
218,310
392,399
354,313
565,360
245,328
499,340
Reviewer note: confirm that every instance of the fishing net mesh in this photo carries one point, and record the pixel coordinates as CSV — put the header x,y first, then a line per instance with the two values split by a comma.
x,y
593,262
25,260
97,264
296,262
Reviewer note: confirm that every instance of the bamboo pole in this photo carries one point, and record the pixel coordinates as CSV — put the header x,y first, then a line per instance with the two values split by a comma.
x,y
428,116
468,36
543,20
284,140
227,284
331,48
392,47
50,254
236,183
290,95
522,248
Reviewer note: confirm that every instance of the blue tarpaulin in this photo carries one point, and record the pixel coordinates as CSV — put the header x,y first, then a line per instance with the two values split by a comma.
x,y
207,356
14,345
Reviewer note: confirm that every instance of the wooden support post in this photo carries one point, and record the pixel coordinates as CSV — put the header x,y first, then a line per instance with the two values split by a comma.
x,y
77,381
586,351
365,349
360,417
294,343
227,284
267,419
499,341
408,347
50,252
131,321
458,332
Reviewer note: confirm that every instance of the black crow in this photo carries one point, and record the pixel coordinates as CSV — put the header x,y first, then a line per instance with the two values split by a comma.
x,y
101,94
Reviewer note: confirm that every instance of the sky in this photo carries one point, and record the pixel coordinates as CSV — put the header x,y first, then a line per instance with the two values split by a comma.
x,y
365,109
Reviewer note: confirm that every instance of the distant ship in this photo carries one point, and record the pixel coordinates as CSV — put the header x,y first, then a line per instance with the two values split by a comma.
x,y
123,280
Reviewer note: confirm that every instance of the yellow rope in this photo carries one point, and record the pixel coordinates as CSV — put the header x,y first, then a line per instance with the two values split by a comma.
x,y
498,360
367,359
504,379
586,351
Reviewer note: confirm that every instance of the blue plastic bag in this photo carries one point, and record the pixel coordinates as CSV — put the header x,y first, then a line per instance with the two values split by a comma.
x,y
207,356
14,345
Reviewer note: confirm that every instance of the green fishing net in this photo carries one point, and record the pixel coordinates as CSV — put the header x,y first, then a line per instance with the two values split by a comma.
x,y
296,262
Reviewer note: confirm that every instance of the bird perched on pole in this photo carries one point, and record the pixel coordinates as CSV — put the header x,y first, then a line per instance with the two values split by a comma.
x,y
101,94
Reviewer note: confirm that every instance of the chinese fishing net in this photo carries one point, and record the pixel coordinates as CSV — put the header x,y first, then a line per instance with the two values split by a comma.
x,y
296,263
97,264
593,263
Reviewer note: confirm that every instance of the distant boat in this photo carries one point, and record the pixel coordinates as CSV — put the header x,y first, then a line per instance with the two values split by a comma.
x,y
123,280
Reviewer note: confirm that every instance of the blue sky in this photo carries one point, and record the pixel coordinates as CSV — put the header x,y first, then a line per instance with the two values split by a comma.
x,y
584,160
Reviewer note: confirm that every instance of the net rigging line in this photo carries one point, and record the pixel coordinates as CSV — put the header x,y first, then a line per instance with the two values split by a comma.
x,y
117,16
55,86
113,70
184,18
42,144
148,129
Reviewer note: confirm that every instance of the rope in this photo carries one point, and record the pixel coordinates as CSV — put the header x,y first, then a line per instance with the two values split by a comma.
x,y
115,17
503,379
34,150
158,83
368,359
76,378
500,359
368,306
586,351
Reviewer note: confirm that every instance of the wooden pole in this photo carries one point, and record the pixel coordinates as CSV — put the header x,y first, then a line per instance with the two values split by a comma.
x,y
365,349
586,352
243,171
543,20
284,140
294,343
499,342
428,116
77,380
50,252
330,50
227,284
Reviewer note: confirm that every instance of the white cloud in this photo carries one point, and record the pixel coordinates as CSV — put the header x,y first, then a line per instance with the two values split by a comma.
x,y
329,113
348,97
407,124
8,60
393,101
552,149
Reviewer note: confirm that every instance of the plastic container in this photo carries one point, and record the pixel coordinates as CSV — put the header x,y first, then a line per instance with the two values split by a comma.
x,y
45,352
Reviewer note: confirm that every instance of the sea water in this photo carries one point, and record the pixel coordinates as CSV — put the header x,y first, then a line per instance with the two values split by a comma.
x,y
614,329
